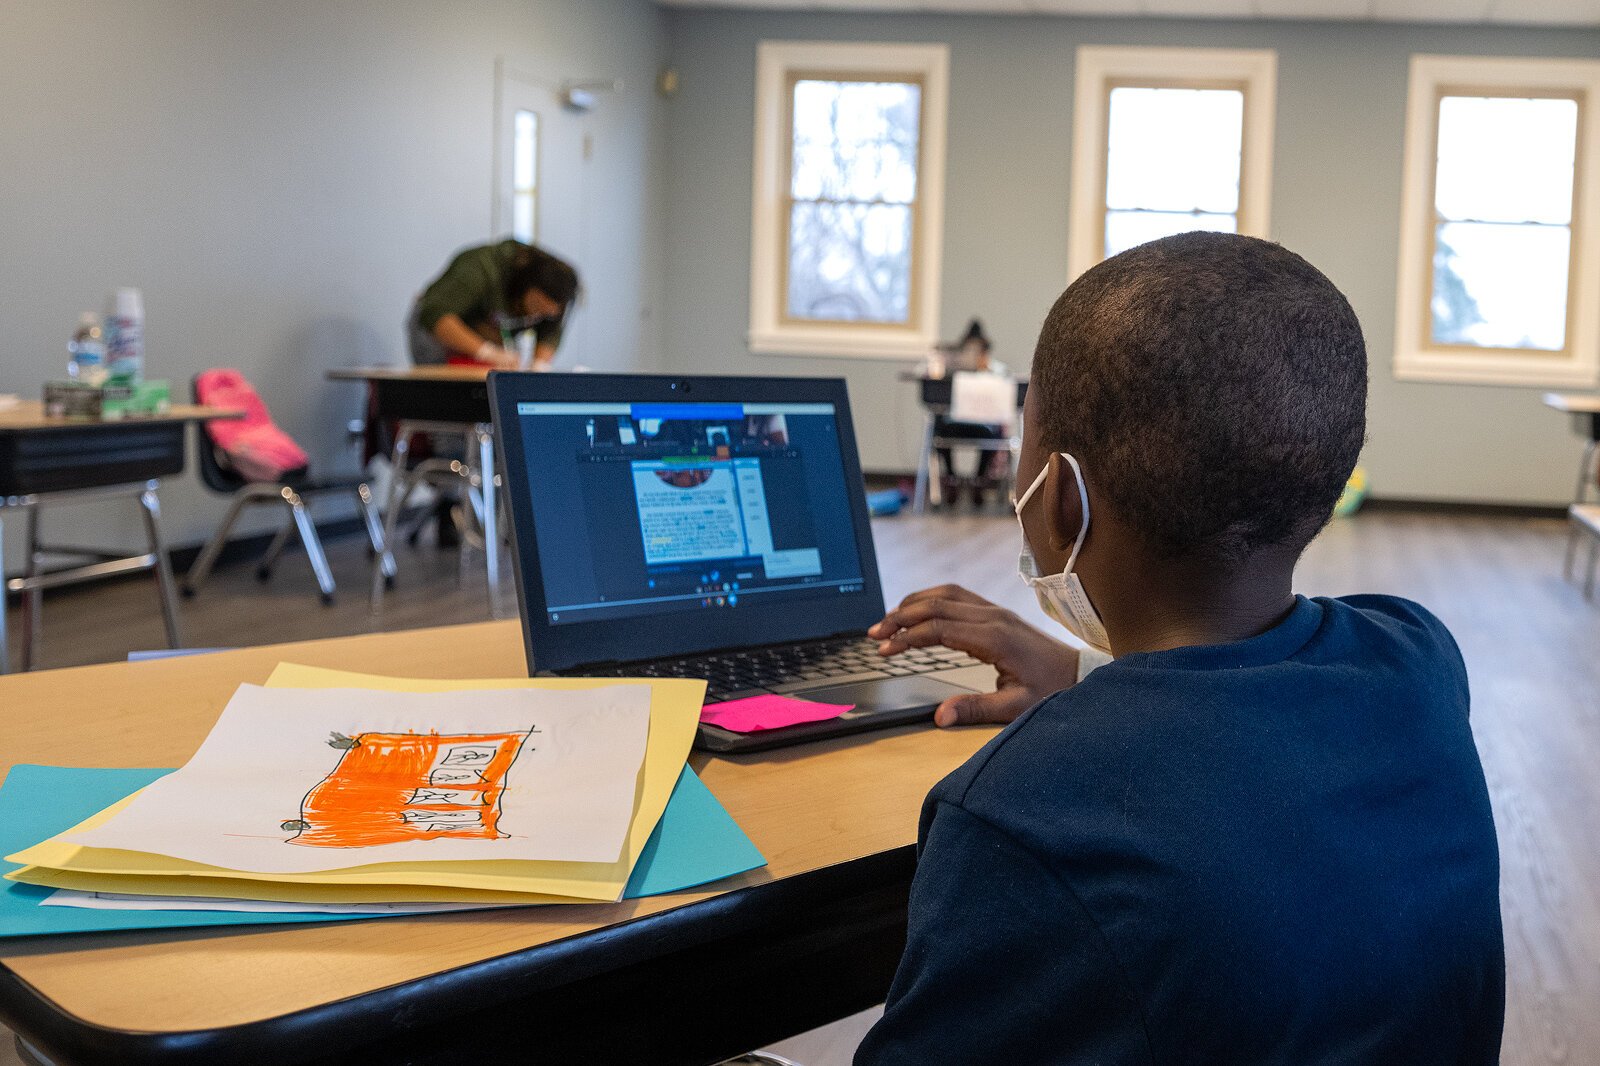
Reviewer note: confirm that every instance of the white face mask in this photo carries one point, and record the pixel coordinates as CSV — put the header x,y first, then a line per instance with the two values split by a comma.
x,y
1061,596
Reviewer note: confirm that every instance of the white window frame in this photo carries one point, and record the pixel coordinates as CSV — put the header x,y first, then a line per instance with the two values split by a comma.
x,y
1101,69
1416,356
771,332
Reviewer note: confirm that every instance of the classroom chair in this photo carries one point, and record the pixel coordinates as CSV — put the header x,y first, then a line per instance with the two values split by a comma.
x,y
293,490
472,476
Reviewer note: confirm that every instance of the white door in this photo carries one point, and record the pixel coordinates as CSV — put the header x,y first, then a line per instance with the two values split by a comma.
x,y
541,152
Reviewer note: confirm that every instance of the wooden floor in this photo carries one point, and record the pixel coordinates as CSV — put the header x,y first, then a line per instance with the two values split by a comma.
x,y
1531,642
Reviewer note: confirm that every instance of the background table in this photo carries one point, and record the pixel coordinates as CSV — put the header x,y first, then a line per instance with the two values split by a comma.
x,y
47,460
690,977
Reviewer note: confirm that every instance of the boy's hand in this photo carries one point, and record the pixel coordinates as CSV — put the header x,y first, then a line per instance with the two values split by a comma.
x,y
1031,665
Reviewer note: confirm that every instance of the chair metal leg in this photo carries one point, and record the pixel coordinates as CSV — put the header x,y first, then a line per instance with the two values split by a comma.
x,y
200,569
312,543
399,485
1588,581
269,560
369,515
166,588
491,511
32,599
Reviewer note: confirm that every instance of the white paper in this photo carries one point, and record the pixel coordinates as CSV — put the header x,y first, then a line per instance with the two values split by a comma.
x,y
984,398
118,901
264,791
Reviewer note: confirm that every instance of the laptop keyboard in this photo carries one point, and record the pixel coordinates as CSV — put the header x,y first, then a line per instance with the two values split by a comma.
x,y
752,671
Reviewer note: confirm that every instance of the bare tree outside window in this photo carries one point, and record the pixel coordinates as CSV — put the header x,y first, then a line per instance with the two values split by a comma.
x,y
852,200
1503,195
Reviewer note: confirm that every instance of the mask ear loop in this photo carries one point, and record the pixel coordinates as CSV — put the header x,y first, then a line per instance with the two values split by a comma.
x,y
1083,498
1022,501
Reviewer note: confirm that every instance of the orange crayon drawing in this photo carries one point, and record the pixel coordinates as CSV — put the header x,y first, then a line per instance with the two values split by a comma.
x,y
392,788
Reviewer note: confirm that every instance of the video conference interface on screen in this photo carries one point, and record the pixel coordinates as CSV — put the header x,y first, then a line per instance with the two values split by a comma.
x,y
658,507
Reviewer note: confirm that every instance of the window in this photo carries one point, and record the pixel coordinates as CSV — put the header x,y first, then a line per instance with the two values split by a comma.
x,y
1493,248
1167,140
848,198
525,176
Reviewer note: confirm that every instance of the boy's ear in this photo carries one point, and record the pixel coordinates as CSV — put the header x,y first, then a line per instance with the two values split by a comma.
x,y
1063,508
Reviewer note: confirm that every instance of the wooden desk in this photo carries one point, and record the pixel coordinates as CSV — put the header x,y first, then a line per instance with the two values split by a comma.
x,y
47,460
1583,407
692,977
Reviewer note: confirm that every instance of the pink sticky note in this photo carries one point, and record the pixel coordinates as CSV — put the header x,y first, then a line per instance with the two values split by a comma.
x,y
755,713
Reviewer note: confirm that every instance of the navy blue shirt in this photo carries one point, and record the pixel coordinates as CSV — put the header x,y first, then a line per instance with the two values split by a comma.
x,y
1273,851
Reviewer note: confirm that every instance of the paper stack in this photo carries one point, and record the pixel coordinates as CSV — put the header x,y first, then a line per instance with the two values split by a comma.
x,y
347,792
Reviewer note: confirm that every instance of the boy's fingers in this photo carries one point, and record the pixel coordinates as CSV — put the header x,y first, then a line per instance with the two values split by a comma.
x,y
974,638
909,614
982,708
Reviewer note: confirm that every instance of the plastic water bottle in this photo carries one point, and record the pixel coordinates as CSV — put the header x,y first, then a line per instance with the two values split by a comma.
x,y
125,345
86,360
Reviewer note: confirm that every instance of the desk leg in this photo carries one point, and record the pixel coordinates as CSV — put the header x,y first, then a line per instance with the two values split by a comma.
x,y
1586,468
150,507
5,649
919,497
491,512
33,598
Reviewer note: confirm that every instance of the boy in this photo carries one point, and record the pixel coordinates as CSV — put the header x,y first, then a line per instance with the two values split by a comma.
x,y
1260,834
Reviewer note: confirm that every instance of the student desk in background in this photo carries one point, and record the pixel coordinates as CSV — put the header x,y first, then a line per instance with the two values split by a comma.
x,y
692,977
449,400
50,461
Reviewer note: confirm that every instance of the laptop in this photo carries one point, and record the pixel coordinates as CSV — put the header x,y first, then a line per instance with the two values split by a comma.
x,y
708,527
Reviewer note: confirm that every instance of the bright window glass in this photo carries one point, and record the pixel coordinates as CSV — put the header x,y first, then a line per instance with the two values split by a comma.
x,y
525,176
1173,162
1503,198
854,155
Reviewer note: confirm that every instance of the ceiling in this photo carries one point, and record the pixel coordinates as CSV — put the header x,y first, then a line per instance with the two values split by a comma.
x,y
1502,12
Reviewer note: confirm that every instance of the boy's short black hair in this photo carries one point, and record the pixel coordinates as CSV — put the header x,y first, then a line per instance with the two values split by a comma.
x,y
1214,387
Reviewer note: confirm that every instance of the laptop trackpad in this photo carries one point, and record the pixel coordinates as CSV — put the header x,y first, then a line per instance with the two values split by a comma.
x,y
887,694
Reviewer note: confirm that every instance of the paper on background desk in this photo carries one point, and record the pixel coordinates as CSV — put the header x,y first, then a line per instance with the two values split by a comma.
x,y
674,713
305,780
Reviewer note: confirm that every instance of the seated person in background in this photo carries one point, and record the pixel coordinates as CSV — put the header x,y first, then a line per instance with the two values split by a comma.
x,y
1260,833
971,354
486,297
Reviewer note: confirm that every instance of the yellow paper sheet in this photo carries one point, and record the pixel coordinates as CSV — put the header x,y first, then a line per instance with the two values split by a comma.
x,y
674,715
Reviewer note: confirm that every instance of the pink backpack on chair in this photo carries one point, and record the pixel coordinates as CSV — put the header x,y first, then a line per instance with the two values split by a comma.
x,y
254,447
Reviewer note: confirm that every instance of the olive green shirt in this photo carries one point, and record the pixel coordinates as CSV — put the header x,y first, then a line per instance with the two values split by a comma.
x,y
473,288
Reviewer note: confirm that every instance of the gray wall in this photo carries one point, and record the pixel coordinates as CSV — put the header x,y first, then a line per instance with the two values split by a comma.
x,y
1336,199
281,178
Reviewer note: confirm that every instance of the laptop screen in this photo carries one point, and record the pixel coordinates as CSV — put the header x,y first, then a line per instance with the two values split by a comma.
x,y
678,508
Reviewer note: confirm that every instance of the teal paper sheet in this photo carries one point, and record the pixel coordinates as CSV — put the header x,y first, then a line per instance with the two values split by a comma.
x,y
696,841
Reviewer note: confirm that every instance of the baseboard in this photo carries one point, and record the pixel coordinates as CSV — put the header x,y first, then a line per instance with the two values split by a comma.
x,y
1464,507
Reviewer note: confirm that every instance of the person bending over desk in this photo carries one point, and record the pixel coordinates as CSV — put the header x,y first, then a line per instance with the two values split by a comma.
x,y
1260,833
486,297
